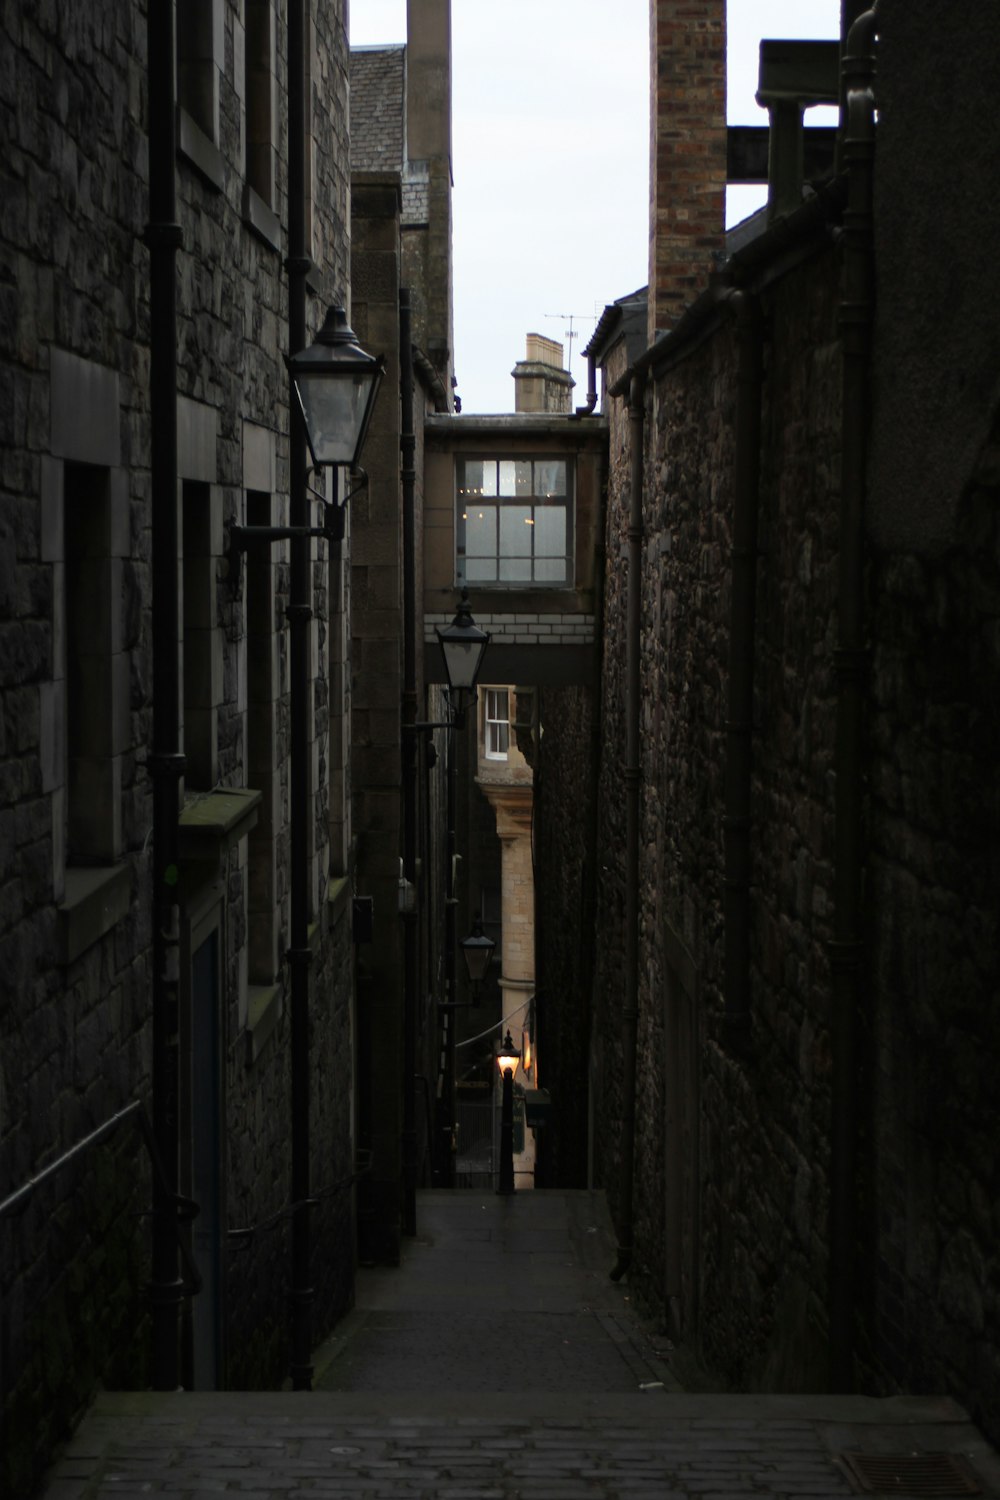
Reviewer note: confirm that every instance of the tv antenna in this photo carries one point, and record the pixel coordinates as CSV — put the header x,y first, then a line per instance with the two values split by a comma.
x,y
569,332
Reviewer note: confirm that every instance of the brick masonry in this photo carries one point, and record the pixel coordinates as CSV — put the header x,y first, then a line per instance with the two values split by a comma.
x,y
687,151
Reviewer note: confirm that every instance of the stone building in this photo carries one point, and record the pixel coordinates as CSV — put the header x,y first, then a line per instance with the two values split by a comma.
x,y
401,276
81,1045
797,815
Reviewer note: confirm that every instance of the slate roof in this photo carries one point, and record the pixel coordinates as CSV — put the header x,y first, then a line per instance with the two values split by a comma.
x,y
378,109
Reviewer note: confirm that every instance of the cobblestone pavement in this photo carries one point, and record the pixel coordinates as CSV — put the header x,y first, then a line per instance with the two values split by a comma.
x,y
499,1363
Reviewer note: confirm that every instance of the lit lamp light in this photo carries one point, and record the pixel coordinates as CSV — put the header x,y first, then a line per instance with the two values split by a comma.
x,y
463,646
477,950
508,1058
336,383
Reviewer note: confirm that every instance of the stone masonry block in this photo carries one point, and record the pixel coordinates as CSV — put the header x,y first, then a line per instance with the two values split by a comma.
x,y
84,410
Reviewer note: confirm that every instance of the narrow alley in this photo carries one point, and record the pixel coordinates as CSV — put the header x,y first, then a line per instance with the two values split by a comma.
x,y
500,1361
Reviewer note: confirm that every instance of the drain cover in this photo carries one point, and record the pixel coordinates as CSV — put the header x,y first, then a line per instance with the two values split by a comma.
x,y
911,1473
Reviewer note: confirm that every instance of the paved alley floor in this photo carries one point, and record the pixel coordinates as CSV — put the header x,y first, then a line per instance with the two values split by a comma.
x,y
501,1363
497,1294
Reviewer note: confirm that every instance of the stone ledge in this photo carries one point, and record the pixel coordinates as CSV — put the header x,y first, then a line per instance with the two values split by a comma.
x,y
338,893
212,823
196,148
265,1007
97,896
260,218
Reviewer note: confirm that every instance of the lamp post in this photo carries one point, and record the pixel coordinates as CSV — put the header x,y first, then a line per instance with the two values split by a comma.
x,y
508,1058
463,646
334,384
477,950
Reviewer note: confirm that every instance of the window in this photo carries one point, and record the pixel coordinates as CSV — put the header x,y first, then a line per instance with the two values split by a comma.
x,y
514,522
92,598
260,103
202,646
263,768
497,724
199,62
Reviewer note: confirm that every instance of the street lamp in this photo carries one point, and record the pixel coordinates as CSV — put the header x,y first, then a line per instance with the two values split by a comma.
x,y
336,383
508,1058
477,950
463,646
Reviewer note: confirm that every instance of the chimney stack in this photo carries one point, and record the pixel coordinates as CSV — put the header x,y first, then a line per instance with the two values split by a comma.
x,y
687,116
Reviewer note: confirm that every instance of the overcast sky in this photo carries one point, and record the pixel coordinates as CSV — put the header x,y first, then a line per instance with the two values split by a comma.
x,y
550,120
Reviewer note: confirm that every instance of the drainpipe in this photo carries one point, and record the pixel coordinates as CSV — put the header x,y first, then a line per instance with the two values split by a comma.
x,y
846,950
299,614
407,444
586,411
163,236
742,619
630,1011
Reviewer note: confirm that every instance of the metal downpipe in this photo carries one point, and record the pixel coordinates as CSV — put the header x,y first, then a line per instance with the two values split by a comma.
x,y
630,1012
163,236
742,628
846,949
299,613
407,445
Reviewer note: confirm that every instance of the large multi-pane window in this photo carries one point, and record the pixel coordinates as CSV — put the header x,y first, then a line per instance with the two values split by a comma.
x,y
514,522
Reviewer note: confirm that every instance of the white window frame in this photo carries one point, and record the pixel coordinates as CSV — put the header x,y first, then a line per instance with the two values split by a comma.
x,y
496,726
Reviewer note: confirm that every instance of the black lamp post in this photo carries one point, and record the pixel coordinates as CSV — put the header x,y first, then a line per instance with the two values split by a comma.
x,y
463,646
477,950
508,1058
336,383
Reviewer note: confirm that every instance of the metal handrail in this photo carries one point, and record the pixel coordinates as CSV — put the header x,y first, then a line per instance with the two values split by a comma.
x,y
186,1208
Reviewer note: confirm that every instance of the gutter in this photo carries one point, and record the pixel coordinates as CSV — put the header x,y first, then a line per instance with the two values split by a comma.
x,y
630,1011
742,643
851,663
787,242
163,237
411,980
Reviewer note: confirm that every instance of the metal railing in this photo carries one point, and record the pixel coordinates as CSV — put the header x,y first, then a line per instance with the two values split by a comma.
x,y
186,1208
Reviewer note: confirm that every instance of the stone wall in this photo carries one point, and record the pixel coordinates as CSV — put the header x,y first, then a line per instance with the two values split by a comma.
x,y
730,1191
734,1153
564,928
75,938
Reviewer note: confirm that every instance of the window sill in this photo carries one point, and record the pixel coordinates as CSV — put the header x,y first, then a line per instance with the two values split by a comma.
x,y
264,1010
212,823
338,894
260,219
199,151
97,897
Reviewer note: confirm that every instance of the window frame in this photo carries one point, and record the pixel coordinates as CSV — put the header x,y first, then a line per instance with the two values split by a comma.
x,y
494,721
532,500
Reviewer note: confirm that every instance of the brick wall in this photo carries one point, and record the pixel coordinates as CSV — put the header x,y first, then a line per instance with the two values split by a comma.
x,y
687,151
